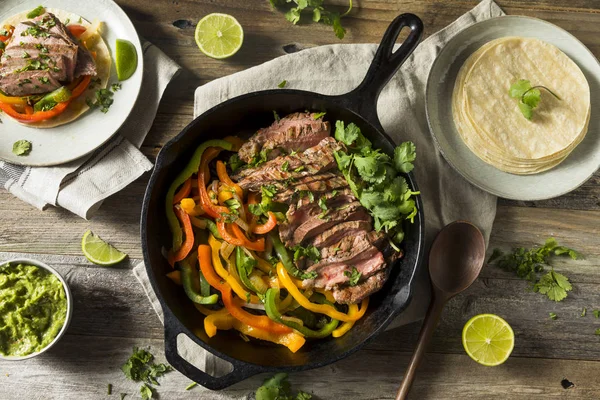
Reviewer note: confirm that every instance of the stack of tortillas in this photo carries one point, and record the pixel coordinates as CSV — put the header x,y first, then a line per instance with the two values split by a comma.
x,y
489,119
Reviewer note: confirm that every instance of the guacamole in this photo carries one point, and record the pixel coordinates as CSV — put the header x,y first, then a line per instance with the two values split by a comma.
x,y
33,309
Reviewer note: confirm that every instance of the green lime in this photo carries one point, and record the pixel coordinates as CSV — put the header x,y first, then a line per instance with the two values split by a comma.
x,y
219,35
488,339
125,59
98,251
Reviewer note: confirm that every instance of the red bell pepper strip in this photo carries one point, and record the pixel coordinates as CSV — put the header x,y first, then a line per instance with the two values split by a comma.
x,y
256,321
203,176
267,226
183,192
76,30
188,244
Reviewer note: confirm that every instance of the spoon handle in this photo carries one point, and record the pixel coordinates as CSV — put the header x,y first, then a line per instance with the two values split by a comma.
x,y
429,324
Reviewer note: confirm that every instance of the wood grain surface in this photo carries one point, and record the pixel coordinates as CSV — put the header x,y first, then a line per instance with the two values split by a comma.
x,y
112,313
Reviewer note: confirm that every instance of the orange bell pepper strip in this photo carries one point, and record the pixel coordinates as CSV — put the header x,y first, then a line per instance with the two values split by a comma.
x,y
12,100
76,30
257,245
203,176
188,244
81,87
235,141
292,340
260,322
184,192
267,226
224,177
175,276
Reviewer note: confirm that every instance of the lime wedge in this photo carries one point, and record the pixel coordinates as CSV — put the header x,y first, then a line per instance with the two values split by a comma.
x,y
488,339
98,251
219,35
125,59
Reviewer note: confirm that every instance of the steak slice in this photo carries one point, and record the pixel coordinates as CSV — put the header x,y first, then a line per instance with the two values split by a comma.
x,y
315,224
355,294
40,57
315,184
314,160
331,238
294,132
85,63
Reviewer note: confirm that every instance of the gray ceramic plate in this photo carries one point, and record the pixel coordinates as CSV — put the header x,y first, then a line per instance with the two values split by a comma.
x,y
579,166
88,132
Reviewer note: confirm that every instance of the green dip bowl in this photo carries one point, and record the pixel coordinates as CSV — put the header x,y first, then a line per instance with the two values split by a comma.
x,y
69,313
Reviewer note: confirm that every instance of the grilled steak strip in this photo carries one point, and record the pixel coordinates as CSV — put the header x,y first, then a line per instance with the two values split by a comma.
x,y
355,294
316,159
316,184
295,132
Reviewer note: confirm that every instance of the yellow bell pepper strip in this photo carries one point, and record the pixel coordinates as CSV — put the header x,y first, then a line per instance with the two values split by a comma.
x,y
191,282
12,100
326,309
285,303
352,311
190,169
218,320
223,196
184,192
275,315
291,340
234,284
189,206
175,276
261,322
267,226
256,279
186,246
224,178
236,141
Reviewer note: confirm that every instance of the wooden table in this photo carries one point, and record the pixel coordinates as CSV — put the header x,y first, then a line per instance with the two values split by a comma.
x,y
112,313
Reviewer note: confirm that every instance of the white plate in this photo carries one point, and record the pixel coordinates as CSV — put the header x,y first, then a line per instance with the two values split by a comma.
x,y
579,166
88,132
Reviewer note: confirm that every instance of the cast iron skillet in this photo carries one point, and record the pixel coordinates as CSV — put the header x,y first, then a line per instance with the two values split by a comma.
x,y
244,115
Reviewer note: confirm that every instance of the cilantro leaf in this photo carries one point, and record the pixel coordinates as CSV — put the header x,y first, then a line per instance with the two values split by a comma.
x,y
146,392
583,311
532,98
404,155
519,88
282,84
353,276
293,15
235,162
346,135
526,110
322,203
372,168
21,147
553,316
318,115
529,96
553,285
597,332
310,252
596,313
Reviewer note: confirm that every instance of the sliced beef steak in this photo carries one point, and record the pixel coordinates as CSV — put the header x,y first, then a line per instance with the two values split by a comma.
x,y
295,132
316,184
331,238
314,160
40,57
354,294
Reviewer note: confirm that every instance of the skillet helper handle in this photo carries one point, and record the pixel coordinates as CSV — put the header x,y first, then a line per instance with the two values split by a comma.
x,y
429,324
239,372
386,62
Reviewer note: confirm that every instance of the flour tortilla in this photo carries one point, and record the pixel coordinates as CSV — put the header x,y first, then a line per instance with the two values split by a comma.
x,y
489,120
103,63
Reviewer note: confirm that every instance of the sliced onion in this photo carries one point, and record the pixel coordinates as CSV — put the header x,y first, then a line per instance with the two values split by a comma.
x,y
93,29
242,224
254,306
215,186
226,250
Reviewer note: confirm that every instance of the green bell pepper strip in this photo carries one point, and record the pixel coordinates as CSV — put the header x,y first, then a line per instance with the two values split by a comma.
x,y
49,101
190,169
212,227
191,280
284,256
275,315
241,269
308,317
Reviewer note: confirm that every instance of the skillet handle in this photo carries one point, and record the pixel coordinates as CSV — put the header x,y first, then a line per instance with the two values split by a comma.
x,y
239,372
363,99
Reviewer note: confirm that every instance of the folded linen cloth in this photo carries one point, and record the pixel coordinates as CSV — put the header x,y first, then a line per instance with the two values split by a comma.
x,y
82,185
446,195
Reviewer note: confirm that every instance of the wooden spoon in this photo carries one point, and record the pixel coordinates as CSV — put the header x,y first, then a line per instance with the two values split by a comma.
x,y
455,260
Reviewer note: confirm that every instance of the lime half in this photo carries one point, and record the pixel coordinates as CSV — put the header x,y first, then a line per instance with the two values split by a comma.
x,y
125,59
488,339
219,35
99,252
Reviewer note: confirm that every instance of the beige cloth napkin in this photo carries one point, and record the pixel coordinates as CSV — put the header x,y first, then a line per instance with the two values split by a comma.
x,y
337,69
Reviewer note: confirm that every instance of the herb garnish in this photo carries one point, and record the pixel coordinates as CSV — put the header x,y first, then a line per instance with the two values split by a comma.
x,y
140,367
322,203
553,316
282,84
583,311
40,47
21,147
104,99
527,263
276,116
193,384
353,277
146,392
115,87
596,313
529,96
35,32
278,388
44,80
375,180
26,55
285,166
310,252
318,115
4,32
319,13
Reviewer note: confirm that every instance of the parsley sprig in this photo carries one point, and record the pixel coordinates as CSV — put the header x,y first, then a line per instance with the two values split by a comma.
x,y
278,388
529,96
528,263
318,11
140,367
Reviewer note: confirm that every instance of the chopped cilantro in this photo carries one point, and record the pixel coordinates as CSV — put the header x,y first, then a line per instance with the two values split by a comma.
x,y
276,116
310,252
282,84
123,396
553,316
285,166
115,87
140,367
235,162
26,55
44,80
146,392
322,203
353,276
583,312
596,313
21,147
553,285
316,10
597,332
299,169
529,96
191,385
318,115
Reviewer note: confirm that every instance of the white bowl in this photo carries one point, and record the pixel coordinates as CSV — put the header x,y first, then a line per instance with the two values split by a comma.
x,y
40,264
